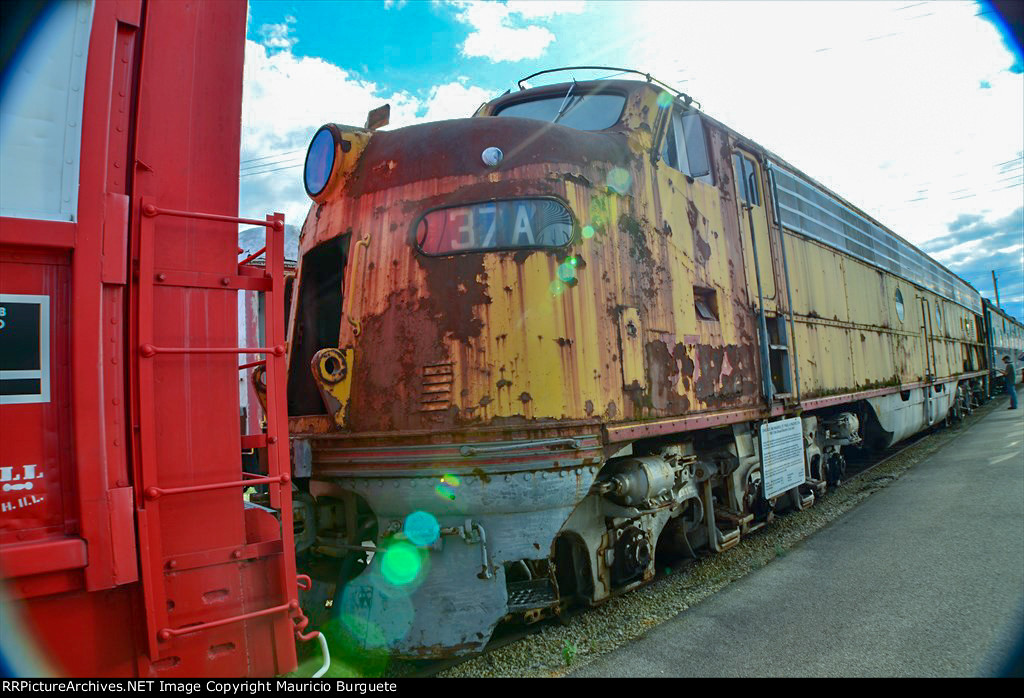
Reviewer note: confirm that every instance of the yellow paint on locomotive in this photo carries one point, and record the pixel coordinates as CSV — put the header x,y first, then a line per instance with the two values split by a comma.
x,y
473,338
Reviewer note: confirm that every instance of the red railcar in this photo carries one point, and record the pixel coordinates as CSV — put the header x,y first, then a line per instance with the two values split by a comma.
x,y
126,545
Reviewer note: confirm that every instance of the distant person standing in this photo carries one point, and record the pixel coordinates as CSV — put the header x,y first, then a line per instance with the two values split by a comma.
x,y
1010,375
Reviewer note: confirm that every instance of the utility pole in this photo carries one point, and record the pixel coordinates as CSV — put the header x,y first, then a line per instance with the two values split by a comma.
x,y
995,286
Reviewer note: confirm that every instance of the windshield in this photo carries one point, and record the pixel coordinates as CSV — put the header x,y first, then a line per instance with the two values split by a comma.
x,y
585,112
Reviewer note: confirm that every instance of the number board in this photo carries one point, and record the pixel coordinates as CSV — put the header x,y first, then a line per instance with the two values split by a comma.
x,y
24,348
782,456
495,225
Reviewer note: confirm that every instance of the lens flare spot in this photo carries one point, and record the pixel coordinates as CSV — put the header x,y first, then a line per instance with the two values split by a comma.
x,y
566,271
401,563
422,528
445,491
450,479
374,613
619,180
664,99
588,232
556,287
366,633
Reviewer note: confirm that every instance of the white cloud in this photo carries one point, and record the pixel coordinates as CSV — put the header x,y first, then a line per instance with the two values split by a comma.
x,y
495,34
277,35
286,98
532,9
454,100
884,106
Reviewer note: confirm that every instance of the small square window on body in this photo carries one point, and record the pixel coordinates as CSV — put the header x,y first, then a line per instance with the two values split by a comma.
x,y
24,348
706,303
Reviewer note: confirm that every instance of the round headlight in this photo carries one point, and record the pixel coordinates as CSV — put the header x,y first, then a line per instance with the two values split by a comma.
x,y
319,161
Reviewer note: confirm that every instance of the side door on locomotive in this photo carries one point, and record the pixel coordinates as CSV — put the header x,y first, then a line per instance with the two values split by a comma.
x,y
686,147
767,280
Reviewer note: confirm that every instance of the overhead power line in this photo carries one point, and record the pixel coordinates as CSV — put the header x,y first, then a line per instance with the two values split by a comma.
x,y
270,163
274,155
276,169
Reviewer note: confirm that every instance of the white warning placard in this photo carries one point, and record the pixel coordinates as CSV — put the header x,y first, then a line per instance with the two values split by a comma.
x,y
782,455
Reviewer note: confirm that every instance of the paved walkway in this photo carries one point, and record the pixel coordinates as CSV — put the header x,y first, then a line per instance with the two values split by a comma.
x,y
925,578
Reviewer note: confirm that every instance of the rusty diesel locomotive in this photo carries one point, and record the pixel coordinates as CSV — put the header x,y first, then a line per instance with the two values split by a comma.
x,y
532,351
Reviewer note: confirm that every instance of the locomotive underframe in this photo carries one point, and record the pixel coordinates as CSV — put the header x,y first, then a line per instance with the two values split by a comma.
x,y
550,523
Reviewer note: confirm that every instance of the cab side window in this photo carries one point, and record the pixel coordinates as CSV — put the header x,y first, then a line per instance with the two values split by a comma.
x,y
685,147
746,180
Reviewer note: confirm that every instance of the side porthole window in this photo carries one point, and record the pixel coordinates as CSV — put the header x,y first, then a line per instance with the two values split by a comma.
x,y
899,305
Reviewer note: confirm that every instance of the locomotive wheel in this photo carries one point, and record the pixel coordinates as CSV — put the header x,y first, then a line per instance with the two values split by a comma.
x,y
835,470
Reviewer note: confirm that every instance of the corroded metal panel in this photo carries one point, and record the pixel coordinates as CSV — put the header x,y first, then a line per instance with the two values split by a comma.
x,y
631,337
525,340
511,337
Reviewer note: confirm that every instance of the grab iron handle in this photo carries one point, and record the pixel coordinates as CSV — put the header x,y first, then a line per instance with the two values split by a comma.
x,y
356,325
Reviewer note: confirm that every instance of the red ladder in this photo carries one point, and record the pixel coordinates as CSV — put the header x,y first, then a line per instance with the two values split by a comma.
x,y
211,588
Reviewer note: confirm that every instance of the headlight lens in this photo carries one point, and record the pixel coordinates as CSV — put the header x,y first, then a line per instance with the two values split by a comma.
x,y
319,161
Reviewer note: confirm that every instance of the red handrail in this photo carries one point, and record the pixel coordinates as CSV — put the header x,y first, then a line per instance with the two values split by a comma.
x,y
168,633
148,350
157,492
253,256
152,210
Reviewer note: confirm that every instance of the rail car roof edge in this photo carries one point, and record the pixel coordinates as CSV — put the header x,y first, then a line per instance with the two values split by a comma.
x,y
769,154
991,304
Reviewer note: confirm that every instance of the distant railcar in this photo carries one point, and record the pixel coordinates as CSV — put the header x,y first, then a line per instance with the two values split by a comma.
x,y
535,350
1005,337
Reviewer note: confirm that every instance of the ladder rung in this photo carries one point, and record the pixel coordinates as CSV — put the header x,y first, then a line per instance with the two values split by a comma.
x,y
157,492
148,350
168,633
153,210
195,279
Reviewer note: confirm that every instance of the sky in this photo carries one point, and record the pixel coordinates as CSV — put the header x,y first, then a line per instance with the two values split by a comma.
x,y
914,111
